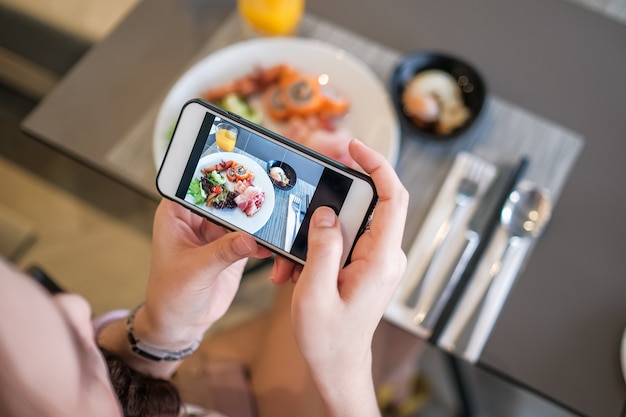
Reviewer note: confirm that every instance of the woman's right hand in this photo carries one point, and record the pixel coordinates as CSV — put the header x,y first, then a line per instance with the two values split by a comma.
x,y
336,310
194,276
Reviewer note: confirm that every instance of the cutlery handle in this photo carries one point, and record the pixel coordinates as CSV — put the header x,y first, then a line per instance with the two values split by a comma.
x,y
434,278
411,299
498,286
443,297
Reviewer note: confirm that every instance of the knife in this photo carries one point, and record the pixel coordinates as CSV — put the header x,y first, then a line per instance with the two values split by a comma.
x,y
481,227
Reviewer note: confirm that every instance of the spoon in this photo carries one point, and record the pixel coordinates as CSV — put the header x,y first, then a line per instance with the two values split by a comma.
x,y
524,216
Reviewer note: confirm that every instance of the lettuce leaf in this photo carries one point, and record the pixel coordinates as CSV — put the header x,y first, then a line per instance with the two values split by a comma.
x,y
195,191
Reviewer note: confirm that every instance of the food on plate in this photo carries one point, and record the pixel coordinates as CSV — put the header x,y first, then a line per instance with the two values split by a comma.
x,y
254,83
434,101
279,176
286,93
333,144
227,185
299,96
250,200
303,95
240,173
305,108
221,166
235,104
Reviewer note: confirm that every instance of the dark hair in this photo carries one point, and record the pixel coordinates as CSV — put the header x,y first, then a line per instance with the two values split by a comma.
x,y
141,395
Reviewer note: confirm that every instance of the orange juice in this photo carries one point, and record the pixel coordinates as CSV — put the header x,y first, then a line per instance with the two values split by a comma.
x,y
272,17
226,138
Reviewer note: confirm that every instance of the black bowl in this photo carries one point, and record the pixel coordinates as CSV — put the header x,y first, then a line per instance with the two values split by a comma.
x,y
472,86
289,172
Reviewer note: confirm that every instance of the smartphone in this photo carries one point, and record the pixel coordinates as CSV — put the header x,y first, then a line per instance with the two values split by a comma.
x,y
245,177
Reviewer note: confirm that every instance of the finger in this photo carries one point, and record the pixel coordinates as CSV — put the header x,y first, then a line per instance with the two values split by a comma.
x,y
172,210
180,221
282,271
325,247
228,249
390,214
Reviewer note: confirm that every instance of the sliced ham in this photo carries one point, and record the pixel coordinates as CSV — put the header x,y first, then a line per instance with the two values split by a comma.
x,y
250,200
241,186
330,142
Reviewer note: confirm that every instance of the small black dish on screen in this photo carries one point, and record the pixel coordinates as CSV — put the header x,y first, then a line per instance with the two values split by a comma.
x,y
282,175
470,84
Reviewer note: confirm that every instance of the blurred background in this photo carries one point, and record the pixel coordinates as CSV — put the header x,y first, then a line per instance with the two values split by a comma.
x,y
54,212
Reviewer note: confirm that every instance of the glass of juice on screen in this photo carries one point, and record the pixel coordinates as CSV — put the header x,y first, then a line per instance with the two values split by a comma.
x,y
226,137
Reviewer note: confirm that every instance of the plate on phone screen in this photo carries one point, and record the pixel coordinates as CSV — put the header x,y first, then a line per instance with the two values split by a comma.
x,y
371,117
250,224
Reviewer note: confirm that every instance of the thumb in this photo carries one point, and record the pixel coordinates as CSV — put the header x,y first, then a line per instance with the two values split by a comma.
x,y
325,247
228,249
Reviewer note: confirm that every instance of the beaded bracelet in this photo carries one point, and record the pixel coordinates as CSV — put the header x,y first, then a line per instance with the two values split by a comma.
x,y
151,352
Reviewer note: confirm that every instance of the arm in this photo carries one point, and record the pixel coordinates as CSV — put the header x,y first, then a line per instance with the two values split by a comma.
x,y
335,311
194,275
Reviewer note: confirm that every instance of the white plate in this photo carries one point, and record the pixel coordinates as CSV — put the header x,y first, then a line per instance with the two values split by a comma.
x,y
235,216
371,118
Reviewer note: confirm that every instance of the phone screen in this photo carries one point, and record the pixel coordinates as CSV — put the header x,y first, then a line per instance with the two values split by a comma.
x,y
260,186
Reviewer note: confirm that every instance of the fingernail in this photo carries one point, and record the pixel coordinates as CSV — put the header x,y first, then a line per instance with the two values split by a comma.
x,y
272,273
325,217
241,246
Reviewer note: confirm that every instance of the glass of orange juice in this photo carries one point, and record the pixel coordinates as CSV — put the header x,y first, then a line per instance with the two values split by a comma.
x,y
225,137
272,17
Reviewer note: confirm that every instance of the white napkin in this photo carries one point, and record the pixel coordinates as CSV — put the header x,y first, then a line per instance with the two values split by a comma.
x,y
293,219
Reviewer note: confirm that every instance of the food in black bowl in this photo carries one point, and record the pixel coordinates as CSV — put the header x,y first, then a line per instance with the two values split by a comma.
x,y
437,96
282,175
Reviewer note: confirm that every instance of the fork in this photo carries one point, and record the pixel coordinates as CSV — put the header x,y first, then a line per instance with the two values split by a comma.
x,y
466,192
295,205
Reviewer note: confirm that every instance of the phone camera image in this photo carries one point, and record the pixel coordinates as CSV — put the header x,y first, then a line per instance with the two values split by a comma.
x,y
241,178
282,174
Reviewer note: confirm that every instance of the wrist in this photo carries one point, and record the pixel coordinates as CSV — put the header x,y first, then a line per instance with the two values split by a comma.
x,y
159,342
350,397
347,389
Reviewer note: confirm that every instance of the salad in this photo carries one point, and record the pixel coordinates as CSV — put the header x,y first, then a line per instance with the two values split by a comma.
x,y
227,185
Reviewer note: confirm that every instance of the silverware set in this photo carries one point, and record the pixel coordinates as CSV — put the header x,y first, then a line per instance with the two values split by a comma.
x,y
429,282
466,192
480,200
522,218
